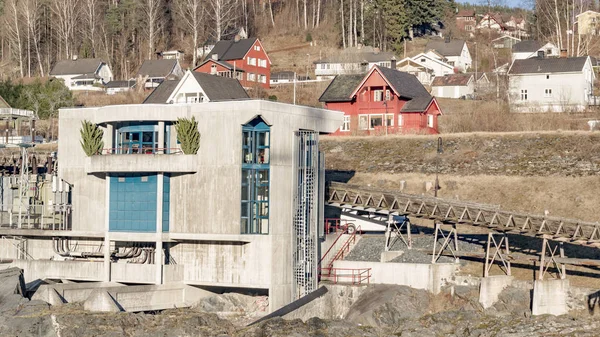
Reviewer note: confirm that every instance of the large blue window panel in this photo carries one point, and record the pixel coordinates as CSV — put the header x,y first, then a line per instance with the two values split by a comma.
x,y
133,203
166,202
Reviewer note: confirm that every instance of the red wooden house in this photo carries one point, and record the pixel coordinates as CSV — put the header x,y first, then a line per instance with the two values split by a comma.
x,y
244,59
384,101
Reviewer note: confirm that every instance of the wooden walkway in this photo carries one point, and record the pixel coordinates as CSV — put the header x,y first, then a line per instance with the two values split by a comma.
x,y
459,212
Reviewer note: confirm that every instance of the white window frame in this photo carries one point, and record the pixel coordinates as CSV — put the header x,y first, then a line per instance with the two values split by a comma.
x,y
548,93
400,120
377,95
360,125
257,48
371,127
345,124
388,95
524,94
430,121
390,122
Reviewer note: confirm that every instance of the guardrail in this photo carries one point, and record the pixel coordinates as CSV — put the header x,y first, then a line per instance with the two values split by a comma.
x,y
143,150
355,276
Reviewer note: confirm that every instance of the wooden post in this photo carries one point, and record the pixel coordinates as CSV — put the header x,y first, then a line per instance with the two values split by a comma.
x,y
487,256
543,260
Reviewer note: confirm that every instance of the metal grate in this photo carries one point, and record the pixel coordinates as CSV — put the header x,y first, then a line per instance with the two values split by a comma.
x,y
305,229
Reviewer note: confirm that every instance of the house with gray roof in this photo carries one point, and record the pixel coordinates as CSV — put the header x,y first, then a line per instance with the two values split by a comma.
x,y
195,87
83,74
353,61
154,72
382,101
542,84
456,52
532,48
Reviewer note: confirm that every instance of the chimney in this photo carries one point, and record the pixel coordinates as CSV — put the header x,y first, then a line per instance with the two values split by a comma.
x,y
540,54
393,62
563,53
447,40
237,38
75,57
215,57
359,46
376,51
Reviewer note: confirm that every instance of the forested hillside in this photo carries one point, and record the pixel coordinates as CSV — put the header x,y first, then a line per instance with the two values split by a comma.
x,y
37,33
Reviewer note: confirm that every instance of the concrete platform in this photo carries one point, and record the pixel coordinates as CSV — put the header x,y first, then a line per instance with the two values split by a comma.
x,y
431,277
144,298
550,297
60,293
490,287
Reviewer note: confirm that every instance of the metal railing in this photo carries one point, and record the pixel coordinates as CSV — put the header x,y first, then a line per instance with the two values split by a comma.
x,y
143,150
340,253
335,225
44,217
355,276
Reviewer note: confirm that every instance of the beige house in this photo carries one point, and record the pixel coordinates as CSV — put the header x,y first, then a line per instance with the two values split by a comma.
x,y
588,23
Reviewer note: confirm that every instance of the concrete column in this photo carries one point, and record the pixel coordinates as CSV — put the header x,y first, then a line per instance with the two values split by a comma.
x,y
161,137
109,143
106,277
159,258
491,287
550,297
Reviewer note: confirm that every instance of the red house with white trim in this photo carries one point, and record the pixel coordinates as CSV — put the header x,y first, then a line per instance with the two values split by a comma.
x,y
244,59
384,101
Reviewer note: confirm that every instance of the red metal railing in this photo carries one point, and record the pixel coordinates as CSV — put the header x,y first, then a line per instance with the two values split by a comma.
x,y
143,150
356,276
335,225
340,254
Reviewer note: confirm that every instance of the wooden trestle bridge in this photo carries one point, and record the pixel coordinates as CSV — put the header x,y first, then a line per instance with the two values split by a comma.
x,y
455,212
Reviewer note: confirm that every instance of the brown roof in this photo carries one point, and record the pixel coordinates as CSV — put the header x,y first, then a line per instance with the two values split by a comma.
x,y
452,80
466,12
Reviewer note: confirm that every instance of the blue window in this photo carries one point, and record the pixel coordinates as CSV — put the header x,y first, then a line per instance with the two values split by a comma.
x,y
255,177
140,138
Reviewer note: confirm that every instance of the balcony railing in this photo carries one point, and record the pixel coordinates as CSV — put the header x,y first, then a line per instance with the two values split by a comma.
x,y
143,150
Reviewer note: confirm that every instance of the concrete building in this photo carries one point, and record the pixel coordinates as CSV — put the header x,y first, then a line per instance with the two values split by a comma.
x,y
551,84
243,212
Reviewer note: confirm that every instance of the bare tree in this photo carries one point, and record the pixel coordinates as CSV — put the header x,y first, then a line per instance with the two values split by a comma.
x,y
13,21
222,13
90,15
153,22
192,12
66,21
31,14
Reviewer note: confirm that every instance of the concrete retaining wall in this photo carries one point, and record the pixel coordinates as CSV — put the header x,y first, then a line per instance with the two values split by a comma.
x,y
550,297
133,273
491,287
430,277
73,270
69,292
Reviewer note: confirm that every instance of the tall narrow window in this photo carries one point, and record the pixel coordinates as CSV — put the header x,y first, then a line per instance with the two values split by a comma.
x,y
346,125
524,94
255,177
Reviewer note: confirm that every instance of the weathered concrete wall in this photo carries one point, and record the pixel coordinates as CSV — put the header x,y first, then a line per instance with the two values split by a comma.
x,y
430,277
132,273
491,287
70,292
550,297
74,270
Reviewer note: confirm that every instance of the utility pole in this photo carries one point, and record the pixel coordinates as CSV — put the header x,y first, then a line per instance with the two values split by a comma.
x,y
440,150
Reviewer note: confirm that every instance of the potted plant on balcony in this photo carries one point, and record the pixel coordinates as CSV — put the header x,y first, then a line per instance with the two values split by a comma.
x,y
91,138
188,135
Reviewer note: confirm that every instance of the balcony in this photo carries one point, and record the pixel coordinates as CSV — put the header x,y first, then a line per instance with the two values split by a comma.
x,y
114,163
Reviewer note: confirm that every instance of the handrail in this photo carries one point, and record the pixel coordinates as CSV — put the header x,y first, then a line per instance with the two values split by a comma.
x,y
346,246
149,150
357,275
332,246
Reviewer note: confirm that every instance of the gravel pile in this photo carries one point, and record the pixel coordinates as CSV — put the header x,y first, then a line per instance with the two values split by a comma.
x,y
370,247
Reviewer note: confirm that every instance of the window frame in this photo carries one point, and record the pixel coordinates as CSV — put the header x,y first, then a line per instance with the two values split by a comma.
x,y
430,122
548,93
345,124
524,95
367,123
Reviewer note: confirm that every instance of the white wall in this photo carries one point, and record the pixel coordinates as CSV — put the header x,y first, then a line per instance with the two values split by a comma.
x,y
569,91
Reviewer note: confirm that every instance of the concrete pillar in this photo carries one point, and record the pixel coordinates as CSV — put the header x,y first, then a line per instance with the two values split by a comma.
x,y
109,143
161,138
550,297
159,258
106,277
491,287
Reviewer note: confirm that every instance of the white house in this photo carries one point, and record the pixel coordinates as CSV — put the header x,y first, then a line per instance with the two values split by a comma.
x,y
491,21
456,52
83,74
424,73
283,77
505,42
531,48
156,71
172,54
453,86
551,84
114,87
353,61
434,61
195,87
